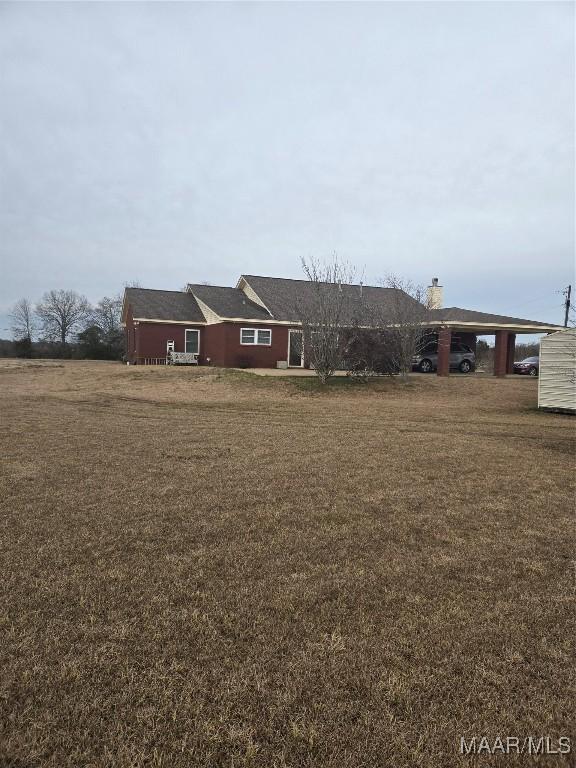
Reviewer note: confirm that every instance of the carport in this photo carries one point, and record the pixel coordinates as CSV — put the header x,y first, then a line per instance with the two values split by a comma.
x,y
468,324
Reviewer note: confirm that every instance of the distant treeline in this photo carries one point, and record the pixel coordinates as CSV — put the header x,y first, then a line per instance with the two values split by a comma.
x,y
485,353
64,324
49,350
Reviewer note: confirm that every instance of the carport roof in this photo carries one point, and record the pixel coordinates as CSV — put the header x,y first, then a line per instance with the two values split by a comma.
x,y
472,320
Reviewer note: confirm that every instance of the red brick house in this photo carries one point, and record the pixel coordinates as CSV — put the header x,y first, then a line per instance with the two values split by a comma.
x,y
255,324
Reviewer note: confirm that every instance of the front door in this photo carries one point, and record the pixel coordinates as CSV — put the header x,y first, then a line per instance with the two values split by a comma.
x,y
295,349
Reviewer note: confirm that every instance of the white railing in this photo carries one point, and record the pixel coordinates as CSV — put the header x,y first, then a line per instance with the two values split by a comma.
x,y
149,361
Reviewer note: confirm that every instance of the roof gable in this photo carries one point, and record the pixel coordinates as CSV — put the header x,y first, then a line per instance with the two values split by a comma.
x,y
228,303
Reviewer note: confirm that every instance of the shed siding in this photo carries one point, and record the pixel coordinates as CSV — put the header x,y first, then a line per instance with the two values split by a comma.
x,y
557,380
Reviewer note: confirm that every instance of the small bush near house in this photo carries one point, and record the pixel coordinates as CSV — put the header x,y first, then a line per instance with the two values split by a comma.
x,y
368,352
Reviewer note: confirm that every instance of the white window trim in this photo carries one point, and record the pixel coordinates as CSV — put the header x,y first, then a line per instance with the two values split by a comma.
x,y
256,332
191,330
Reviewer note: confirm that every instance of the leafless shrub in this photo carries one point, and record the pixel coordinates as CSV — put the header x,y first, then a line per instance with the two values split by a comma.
x,y
366,352
364,332
324,310
403,316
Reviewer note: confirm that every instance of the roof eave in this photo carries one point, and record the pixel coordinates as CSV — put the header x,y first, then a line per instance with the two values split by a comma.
x,y
491,327
168,322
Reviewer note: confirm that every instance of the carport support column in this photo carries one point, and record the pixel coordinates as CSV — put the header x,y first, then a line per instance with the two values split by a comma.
x,y
510,353
444,341
501,353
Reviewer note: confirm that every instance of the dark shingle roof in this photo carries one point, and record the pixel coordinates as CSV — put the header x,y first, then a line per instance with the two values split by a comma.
x,y
229,302
151,304
456,314
282,296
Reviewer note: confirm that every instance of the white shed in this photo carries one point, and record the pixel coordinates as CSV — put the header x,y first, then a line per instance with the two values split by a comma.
x,y
557,382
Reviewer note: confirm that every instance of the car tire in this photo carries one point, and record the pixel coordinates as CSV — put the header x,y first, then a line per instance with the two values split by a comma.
x,y
465,366
533,371
425,366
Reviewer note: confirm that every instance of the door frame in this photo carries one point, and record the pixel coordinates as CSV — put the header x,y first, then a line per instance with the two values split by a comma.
x,y
296,330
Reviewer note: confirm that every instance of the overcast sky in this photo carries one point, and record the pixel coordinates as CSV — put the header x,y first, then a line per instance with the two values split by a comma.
x,y
171,143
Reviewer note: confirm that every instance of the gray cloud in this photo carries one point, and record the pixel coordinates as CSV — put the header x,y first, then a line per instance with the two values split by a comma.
x,y
174,142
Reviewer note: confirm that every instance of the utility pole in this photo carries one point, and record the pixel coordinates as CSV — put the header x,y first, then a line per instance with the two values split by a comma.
x,y
567,292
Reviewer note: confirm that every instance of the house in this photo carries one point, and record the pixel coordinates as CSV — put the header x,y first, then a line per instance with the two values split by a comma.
x,y
255,324
557,376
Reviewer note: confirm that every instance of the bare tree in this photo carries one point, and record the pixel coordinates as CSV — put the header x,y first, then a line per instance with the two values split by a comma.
x,y
107,315
323,309
104,337
23,321
404,315
485,356
62,312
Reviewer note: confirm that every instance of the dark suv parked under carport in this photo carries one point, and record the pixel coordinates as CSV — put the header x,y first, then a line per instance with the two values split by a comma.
x,y
462,358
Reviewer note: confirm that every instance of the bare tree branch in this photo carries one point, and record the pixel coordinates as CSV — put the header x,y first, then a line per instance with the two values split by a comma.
x,y
323,309
407,313
23,322
107,315
62,312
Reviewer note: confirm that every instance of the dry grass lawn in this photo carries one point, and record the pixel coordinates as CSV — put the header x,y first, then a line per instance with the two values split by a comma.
x,y
204,569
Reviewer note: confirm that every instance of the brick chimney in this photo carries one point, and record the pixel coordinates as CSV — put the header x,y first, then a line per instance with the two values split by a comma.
x,y
434,294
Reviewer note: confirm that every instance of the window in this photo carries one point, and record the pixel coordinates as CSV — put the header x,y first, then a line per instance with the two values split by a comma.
x,y
192,343
256,336
264,337
247,336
